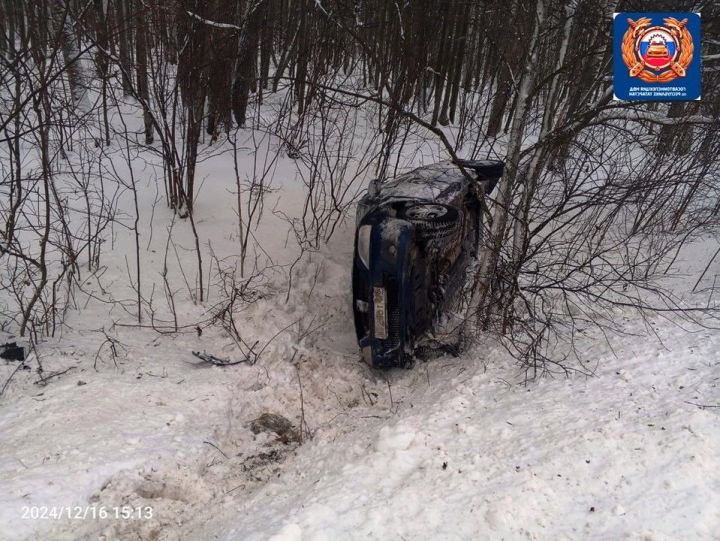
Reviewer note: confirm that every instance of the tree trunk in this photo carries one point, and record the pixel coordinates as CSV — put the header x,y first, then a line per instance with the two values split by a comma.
x,y
122,18
141,58
489,256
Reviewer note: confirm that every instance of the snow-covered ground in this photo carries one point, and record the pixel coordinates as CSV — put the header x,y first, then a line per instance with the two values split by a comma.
x,y
456,448
453,449
466,454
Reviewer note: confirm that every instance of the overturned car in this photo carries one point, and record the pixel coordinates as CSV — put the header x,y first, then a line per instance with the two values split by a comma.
x,y
415,236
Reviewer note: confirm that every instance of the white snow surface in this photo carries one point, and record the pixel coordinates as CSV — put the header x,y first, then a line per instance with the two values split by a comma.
x,y
453,449
464,453
460,451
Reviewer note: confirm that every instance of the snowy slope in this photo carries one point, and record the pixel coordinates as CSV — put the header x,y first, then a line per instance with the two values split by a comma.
x,y
134,420
453,449
457,448
469,455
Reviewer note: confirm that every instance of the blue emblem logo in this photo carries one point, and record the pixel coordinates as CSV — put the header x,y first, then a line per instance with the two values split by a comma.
x,y
656,56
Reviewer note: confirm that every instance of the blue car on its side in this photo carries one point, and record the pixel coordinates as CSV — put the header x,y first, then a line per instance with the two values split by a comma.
x,y
415,236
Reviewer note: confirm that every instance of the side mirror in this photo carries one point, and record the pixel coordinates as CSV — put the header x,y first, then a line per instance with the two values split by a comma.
x,y
487,172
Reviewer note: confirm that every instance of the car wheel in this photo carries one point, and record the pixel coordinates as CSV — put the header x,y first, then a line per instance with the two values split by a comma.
x,y
432,220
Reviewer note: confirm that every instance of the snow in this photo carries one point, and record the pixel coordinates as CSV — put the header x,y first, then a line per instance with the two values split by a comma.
x,y
622,455
431,183
453,449
456,448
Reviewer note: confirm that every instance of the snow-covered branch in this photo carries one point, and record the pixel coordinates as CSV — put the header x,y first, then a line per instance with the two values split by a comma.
x,y
635,115
319,5
214,23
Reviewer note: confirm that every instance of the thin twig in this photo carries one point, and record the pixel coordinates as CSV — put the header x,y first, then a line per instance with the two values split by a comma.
x,y
43,380
303,424
392,403
703,405
706,269
7,382
218,448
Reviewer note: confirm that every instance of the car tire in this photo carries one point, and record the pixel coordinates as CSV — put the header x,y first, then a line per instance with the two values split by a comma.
x,y
431,220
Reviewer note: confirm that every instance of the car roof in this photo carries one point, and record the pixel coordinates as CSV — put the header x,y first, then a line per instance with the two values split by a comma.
x,y
435,182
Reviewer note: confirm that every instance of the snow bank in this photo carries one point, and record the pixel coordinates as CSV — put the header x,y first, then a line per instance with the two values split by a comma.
x,y
624,455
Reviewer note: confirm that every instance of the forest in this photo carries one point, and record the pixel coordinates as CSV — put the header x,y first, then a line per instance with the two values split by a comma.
x,y
179,182
597,196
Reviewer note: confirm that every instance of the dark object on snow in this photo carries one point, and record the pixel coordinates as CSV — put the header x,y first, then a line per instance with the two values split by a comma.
x,y
278,425
217,361
415,236
12,352
487,172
